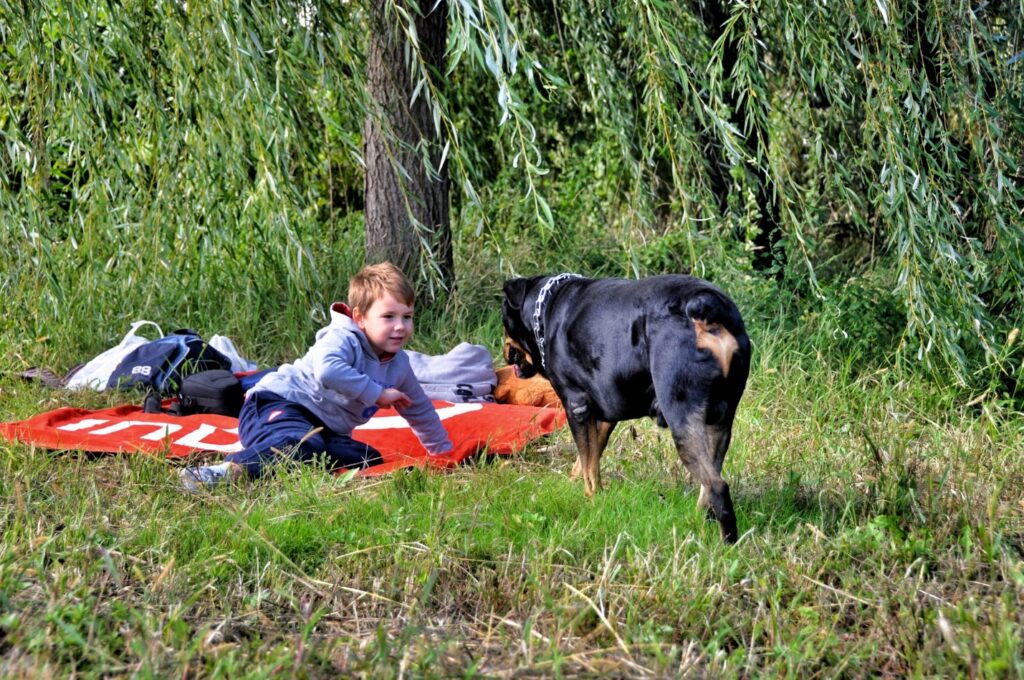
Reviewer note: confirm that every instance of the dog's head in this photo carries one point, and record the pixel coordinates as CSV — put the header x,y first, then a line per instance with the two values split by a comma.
x,y
520,348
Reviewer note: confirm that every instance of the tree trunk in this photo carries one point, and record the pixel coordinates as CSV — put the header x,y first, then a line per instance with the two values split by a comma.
x,y
407,212
769,252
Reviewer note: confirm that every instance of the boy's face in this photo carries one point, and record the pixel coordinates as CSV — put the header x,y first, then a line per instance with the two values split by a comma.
x,y
387,324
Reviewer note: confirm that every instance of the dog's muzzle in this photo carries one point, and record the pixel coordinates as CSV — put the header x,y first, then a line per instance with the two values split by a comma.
x,y
519,359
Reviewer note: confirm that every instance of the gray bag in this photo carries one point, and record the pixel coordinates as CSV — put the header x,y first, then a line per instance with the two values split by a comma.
x,y
464,374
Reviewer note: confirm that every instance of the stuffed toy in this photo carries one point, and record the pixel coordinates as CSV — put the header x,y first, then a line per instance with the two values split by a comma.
x,y
535,391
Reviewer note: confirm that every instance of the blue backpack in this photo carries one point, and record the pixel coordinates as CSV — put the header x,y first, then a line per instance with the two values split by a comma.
x,y
161,365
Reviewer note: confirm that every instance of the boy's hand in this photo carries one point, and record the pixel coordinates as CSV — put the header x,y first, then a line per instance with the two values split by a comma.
x,y
394,398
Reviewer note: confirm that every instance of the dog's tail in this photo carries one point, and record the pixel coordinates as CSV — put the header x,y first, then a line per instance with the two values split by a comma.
x,y
710,315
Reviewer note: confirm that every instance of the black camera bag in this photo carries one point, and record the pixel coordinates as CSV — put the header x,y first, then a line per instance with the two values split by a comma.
x,y
214,391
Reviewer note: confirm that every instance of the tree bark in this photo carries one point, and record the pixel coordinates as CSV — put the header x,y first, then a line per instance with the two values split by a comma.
x,y
401,190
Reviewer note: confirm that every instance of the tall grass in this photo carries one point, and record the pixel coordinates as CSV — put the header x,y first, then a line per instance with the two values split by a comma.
x,y
881,535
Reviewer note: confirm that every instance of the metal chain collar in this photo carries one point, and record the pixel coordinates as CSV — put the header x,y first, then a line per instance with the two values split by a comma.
x,y
538,310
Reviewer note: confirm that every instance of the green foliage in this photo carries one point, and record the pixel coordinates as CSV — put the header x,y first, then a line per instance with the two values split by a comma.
x,y
881,535
883,142
153,167
200,165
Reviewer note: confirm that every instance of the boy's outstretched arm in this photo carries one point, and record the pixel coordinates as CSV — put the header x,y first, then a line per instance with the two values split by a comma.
x,y
423,418
393,398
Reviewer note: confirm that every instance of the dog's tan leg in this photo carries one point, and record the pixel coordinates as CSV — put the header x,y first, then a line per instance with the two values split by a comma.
x,y
591,439
704,499
580,435
601,430
704,461
718,437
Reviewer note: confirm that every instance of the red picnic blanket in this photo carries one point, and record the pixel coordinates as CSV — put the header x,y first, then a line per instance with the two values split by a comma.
x,y
473,428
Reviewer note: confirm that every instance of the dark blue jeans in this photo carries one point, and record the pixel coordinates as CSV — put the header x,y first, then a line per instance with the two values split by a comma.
x,y
270,426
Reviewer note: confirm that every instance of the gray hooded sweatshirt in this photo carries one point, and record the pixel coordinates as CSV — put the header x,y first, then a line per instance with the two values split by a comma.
x,y
341,377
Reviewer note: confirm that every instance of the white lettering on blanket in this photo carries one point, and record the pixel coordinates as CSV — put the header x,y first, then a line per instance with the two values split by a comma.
x,y
398,422
193,438
160,432
196,437
83,424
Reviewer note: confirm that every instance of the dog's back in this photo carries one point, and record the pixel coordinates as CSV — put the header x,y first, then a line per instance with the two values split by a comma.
x,y
622,333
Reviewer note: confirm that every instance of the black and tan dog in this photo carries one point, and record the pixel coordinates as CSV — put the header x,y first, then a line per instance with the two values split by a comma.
x,y
670,347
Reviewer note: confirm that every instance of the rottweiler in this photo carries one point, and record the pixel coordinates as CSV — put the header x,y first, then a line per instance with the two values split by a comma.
x,y
671,347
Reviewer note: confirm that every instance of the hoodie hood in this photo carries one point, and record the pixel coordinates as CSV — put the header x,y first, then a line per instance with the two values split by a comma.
x,y
341,317
340,309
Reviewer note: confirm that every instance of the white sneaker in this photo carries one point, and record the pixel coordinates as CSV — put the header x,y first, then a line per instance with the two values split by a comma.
x,y
206,477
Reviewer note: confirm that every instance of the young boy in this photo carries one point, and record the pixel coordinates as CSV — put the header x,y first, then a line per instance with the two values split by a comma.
x,y
308,409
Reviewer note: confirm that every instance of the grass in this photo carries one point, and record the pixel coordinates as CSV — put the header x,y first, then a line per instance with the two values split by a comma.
x,y
881,526
205,172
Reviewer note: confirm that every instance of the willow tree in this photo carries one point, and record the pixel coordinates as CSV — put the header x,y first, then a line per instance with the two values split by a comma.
x,y
411,134
872,149
406,183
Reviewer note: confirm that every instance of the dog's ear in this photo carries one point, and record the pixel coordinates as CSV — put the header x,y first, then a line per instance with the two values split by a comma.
x,y
515,292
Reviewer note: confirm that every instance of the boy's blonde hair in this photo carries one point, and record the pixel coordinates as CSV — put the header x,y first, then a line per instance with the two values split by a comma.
x,y
373,281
